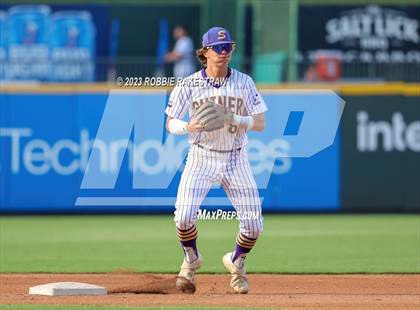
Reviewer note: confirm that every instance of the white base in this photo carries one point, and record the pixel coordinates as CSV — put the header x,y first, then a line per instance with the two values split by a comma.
x,y
67,289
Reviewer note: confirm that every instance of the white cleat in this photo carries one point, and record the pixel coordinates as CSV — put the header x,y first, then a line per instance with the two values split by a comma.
x,y
185,280
239,281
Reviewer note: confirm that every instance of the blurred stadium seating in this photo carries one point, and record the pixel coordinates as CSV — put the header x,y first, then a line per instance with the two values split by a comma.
x,y
277,40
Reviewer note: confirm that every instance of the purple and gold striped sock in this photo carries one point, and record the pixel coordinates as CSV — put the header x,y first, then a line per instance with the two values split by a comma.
x,y
243,246
188,239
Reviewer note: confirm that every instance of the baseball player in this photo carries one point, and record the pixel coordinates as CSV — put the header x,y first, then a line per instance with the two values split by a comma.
x,y
223,104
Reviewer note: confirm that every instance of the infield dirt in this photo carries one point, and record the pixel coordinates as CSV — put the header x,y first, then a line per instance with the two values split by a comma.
x,y
325,292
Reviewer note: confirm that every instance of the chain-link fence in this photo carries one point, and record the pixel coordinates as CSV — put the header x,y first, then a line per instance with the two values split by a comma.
x,y
263,71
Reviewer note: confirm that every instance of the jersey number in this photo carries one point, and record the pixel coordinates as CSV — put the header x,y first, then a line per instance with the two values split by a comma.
x,y
233,128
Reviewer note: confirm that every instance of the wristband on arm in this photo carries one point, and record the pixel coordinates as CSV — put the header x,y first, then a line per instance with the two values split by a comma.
x,y
177,126
244,121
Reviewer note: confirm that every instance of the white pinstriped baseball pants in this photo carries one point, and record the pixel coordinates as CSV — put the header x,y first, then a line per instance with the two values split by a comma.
x,y
232,170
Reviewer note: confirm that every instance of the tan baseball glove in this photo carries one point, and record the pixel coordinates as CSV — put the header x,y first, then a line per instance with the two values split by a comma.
x,y
212,116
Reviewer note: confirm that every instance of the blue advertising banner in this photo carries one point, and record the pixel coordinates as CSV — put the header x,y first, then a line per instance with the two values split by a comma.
x,y
47,142
72,46
3,54
27,33
57,43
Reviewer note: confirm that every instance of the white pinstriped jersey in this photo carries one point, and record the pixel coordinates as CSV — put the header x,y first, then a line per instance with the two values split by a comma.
x,y
237,92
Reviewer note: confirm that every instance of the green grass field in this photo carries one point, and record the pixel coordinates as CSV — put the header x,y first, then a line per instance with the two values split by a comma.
x,y
289,244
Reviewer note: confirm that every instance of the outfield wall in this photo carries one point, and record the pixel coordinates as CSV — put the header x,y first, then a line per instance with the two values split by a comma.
x,y
47,133
380,153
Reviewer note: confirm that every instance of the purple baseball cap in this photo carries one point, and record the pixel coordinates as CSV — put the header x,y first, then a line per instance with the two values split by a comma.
x,y
216,35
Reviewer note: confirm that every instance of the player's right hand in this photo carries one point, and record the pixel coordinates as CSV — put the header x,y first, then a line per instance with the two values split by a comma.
x,y
194,125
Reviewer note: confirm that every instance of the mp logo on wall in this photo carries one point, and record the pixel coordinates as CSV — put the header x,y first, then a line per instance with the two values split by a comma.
x,y
381,34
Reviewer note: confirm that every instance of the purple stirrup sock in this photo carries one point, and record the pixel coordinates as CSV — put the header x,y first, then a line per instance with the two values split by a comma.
x,y
239,250
191,244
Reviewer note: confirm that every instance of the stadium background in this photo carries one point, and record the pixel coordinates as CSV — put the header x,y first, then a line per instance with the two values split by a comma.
x,y
54,91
